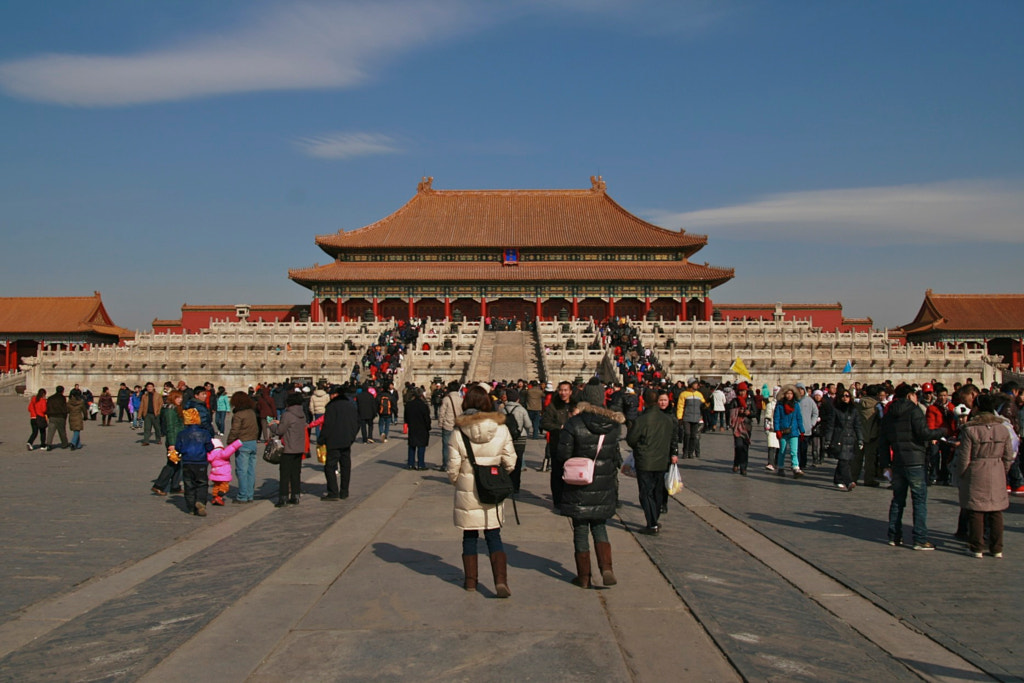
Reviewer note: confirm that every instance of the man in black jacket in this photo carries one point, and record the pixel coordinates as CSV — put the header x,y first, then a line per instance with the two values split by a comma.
x,y
901,451
124,394
338,433
366,405
653,440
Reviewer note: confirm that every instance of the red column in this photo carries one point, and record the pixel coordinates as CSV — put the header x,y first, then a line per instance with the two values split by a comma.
x,y
681,310
540,309
483,307
412,308
447,308
647,305
575,308
14,356
376,309
707,308
7,356
611,307
314,310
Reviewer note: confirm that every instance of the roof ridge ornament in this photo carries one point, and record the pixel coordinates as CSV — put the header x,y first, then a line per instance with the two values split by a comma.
x,y
597,184
425,184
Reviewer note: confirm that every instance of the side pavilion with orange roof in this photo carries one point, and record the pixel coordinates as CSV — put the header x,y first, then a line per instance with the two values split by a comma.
x,y
28,323
528,254
994,322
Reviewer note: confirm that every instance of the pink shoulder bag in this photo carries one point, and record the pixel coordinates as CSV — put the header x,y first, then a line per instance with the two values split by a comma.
x,y
580,471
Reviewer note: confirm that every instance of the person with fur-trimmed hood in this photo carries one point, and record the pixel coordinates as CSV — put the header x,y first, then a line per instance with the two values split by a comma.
x,y
492,447
591,432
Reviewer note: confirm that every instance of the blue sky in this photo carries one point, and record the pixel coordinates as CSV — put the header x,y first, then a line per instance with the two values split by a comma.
x,y
173,152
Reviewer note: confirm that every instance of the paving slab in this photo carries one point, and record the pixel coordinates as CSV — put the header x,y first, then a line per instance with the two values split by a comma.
x,y
971,607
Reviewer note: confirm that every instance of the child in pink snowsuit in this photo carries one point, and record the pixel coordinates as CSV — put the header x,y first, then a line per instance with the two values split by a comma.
x,y
220,468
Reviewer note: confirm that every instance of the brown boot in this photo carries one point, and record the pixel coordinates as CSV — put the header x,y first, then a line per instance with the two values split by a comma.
x,y
469,565
582,570
499,566
604,563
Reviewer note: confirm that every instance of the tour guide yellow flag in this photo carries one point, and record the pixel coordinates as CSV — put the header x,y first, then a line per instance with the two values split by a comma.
x,y
740,369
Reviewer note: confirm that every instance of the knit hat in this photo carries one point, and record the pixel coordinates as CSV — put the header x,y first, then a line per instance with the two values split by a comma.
x,y
190,416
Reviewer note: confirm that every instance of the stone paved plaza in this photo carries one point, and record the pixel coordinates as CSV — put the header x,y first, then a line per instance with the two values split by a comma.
x,y
753,578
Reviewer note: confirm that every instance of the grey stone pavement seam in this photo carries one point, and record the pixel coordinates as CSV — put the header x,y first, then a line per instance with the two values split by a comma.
x,y
43,617
971,608
279,619
919,652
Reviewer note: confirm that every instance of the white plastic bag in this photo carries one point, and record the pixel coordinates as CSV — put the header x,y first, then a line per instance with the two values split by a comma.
x,y
673,480
629,466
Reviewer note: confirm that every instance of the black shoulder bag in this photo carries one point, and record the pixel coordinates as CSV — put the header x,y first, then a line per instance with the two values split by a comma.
x,y
493,483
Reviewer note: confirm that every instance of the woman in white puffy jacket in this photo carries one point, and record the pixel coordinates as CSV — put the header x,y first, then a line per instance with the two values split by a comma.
x,y
492,446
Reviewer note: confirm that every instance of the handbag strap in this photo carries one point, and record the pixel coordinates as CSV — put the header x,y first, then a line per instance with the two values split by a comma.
x,y
469,448
600,443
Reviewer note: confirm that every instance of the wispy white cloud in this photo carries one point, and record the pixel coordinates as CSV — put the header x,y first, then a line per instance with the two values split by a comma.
x,y
300,46
309,45
348,145
939,212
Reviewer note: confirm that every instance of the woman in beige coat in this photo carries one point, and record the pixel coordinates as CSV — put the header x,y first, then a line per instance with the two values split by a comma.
x,y
492,446
984,457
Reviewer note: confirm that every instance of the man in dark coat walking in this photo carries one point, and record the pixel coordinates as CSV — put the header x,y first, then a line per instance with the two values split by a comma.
x,y
366,404
338,432
653,439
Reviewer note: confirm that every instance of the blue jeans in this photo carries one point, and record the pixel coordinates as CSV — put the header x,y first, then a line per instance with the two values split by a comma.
x,y
491,536
220,416
581,537
535,422
913,479
76,437
417,452
384,425
245,470
446,435
792,445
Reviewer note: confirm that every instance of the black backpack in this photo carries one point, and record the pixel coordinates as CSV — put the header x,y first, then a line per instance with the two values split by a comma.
x,y
385,405
513,425
493,483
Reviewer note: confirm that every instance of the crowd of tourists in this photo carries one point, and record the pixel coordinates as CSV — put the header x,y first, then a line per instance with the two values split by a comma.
x,y
906,437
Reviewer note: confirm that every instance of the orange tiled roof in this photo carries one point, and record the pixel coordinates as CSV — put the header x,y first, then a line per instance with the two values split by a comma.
x,y
57,315
492,271
977,312
523,219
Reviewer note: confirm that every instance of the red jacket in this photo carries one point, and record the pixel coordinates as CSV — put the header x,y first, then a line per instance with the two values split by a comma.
x,y
36,407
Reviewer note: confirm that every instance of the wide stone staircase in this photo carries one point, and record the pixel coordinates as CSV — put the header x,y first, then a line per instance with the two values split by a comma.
x,y
504,356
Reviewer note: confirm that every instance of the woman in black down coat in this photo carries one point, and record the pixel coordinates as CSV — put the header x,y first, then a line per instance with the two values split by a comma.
x,y
844,438
591,505
417,416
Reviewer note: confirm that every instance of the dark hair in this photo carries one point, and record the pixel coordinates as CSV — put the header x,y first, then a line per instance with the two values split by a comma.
x,y
294,399
477,398
40,393
902,391
512,394
241,401
986,403
76,393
